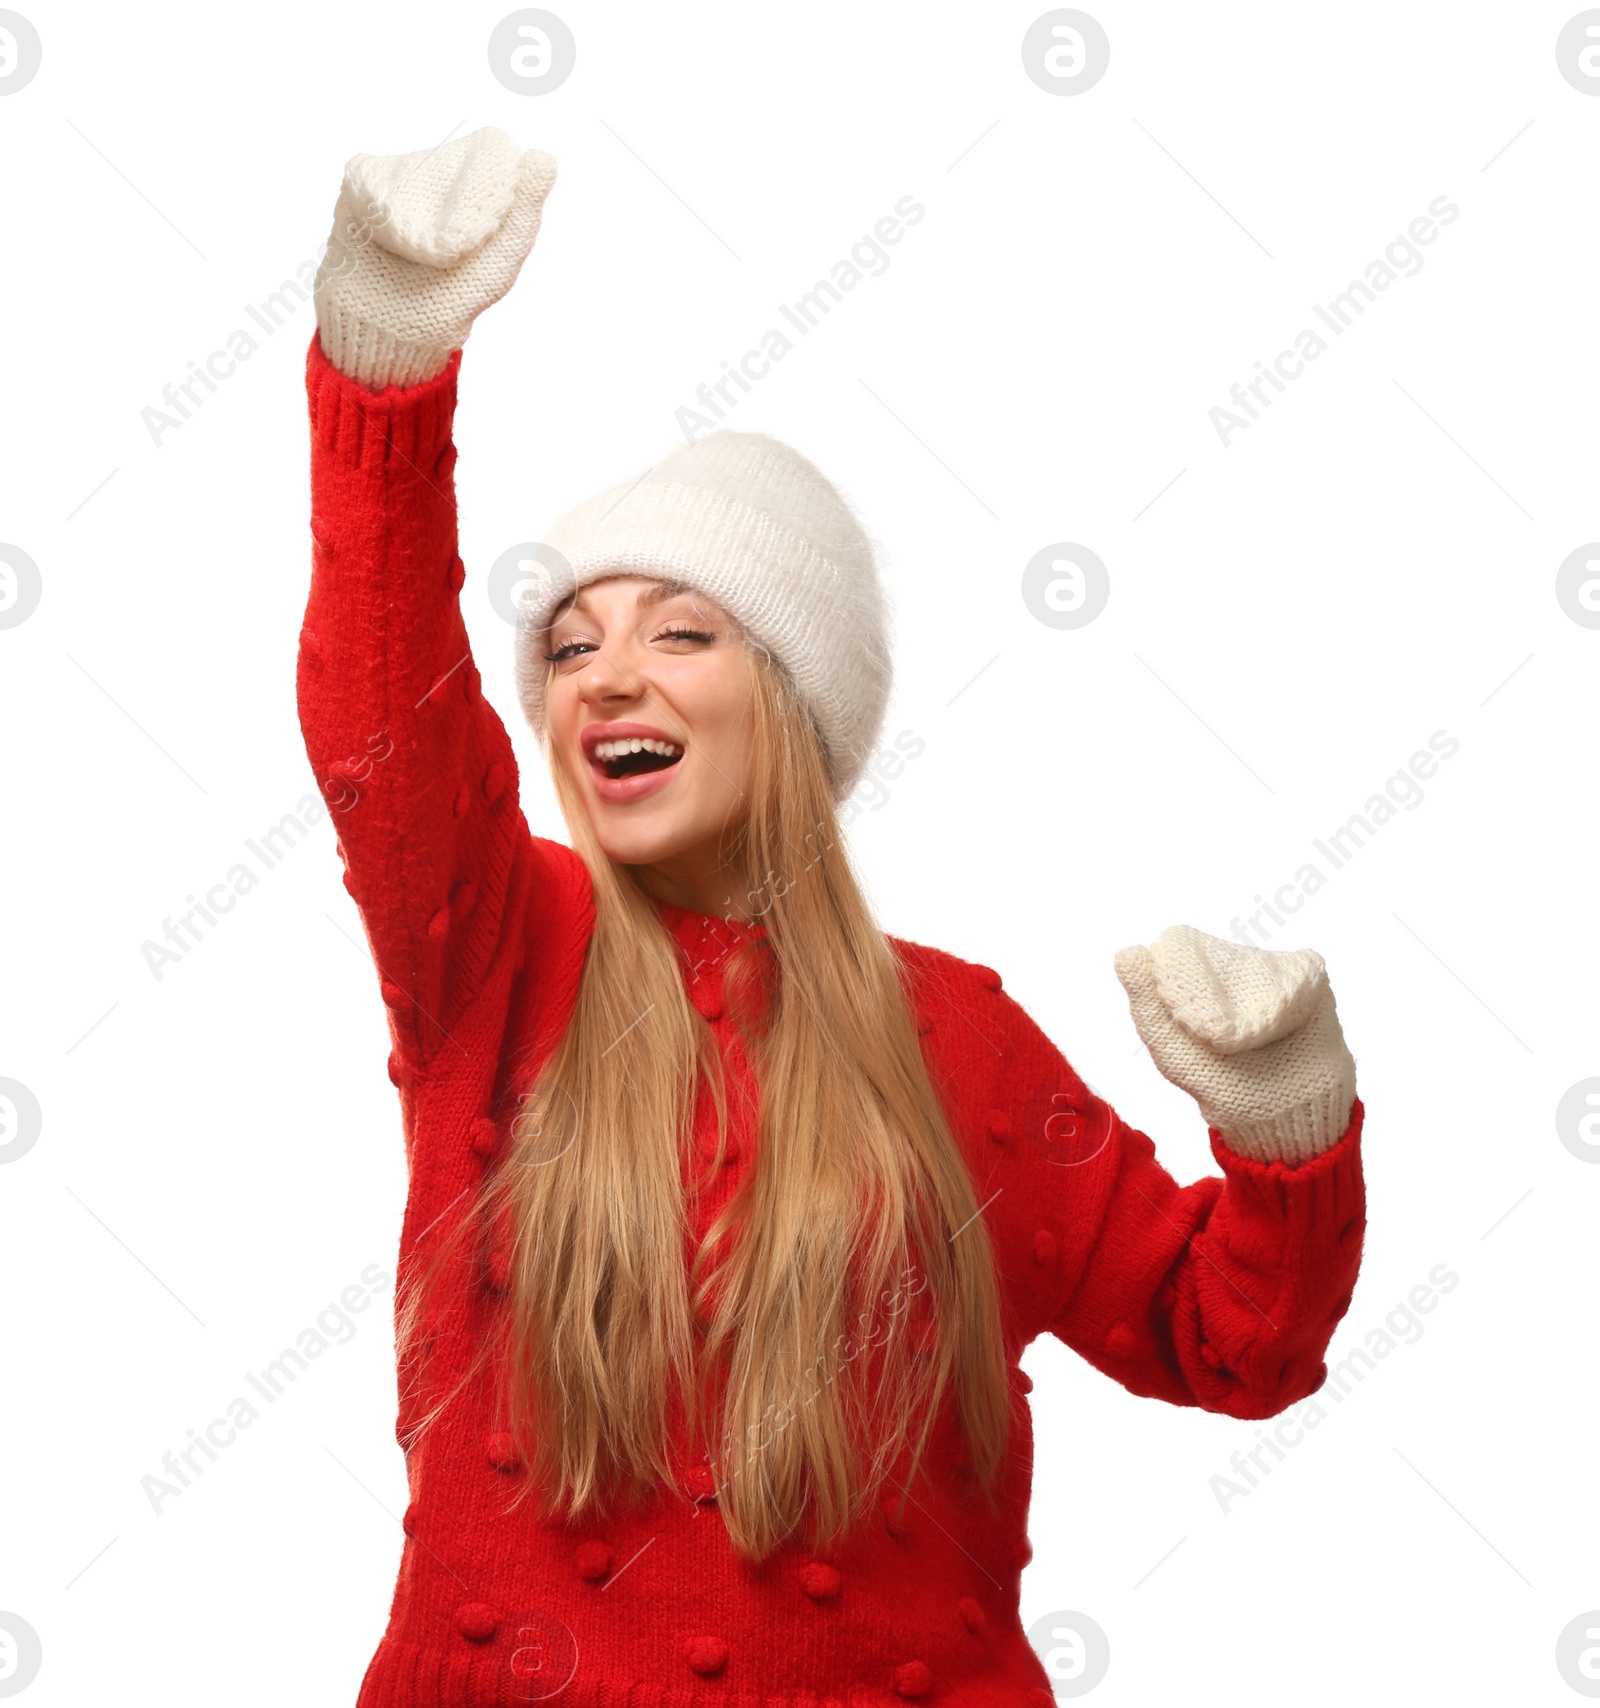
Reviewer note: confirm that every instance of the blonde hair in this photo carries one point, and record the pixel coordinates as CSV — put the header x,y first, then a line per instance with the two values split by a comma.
x,y
858,1201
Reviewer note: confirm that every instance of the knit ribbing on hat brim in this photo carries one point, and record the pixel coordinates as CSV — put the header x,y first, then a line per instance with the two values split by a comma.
x,y
827,631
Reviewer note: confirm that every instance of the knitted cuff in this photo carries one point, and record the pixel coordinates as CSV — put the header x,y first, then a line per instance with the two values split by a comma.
x,y
395,436
1293,1135
372,356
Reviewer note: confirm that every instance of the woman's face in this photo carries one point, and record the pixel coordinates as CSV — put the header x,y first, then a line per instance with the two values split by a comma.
x,y
639,660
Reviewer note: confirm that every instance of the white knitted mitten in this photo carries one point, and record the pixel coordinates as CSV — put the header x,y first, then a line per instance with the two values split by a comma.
x,y
423,243
1251,1034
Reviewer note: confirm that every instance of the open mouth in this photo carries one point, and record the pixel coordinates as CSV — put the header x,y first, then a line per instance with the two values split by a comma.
x,y
634,756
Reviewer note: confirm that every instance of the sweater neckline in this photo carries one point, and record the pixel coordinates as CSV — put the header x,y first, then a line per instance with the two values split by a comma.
x,y
692,929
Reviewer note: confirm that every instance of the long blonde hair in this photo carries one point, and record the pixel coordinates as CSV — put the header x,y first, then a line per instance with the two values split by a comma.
x,y
810,1380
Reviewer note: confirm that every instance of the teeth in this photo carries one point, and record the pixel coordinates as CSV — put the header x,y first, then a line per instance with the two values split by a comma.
x,y
637,744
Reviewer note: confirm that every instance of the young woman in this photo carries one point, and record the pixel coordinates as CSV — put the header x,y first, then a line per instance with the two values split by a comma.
x,y
729,1215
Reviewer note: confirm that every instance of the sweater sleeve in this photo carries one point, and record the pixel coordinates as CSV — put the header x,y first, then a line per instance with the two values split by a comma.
x,y
416,768
1222,1294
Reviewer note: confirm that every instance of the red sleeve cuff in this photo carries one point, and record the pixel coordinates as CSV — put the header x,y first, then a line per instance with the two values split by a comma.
x,y
365,428
1325,1195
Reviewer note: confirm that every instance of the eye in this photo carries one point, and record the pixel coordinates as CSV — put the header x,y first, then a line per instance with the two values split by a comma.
x,y
673,631
569,650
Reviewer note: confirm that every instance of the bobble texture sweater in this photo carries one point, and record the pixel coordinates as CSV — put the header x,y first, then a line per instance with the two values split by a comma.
x,y
1221,1294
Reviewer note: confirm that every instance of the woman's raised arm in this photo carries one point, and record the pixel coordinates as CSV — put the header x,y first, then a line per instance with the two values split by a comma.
x,y
1223,1293
416,767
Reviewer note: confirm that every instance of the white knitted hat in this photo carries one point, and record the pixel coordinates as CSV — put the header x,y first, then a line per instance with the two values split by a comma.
x,y
750,523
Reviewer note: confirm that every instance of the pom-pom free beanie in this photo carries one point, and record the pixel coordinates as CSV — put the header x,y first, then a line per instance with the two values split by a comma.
x,y
754,526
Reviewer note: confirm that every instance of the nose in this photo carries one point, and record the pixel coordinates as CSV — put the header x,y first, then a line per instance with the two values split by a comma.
x,y
611,677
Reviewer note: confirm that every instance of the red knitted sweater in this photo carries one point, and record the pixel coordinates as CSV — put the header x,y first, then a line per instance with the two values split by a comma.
x,y
1221,1294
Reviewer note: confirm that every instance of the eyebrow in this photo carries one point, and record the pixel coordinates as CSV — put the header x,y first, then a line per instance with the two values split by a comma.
x,y
656,595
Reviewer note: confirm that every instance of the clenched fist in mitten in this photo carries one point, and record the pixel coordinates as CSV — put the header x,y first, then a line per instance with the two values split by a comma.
x,y
423,243
1251,1034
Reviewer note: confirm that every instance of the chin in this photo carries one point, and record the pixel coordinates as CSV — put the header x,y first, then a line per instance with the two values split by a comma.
x,y
635,847
673,812
633,840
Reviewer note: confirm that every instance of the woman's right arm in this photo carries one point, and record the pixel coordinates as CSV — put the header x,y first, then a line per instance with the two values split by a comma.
x,y
416,768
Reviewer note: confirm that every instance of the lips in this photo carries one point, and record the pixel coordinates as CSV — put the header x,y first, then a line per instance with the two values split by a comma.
x,y
628,761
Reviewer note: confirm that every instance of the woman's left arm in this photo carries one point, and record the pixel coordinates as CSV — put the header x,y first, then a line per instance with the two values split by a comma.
x,y
1222,1294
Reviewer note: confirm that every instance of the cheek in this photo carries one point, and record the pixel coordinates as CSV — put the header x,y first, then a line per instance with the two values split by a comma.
x,y
560,707
724,713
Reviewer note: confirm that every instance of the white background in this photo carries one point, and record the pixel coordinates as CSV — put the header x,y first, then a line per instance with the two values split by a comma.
x,y
1374,560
